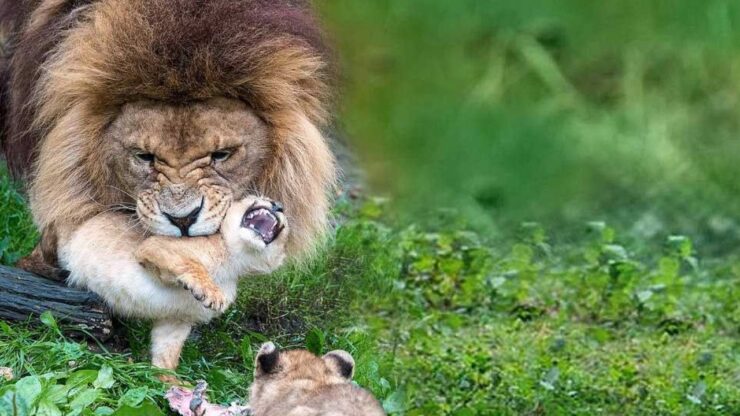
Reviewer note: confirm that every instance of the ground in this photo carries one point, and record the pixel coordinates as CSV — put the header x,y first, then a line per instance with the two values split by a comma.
x,y
560,238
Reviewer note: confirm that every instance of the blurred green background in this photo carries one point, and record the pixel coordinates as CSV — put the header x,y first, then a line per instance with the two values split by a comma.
x,y
554,111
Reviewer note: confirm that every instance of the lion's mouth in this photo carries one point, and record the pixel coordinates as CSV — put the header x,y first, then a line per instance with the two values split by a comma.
x,y
264,222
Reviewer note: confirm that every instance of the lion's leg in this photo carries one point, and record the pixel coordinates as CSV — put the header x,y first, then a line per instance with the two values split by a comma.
x,y
181,261
43,260
35,263
168,337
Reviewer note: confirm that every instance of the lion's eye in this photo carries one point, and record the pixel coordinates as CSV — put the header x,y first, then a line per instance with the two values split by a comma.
x,y
145,157
220,156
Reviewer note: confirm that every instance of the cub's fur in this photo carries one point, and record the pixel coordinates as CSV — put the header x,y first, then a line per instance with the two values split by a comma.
x,y
298,383
147,278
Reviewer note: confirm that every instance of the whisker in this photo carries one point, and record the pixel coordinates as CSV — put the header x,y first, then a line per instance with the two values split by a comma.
x,y
122,191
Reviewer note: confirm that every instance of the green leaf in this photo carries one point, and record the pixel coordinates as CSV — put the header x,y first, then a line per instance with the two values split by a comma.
x,y
146,409
4,244
47,408
56,393
697,392
80,379
615,252
84,399
104,411
220,378
644,295
550,379
133,397
47,318
680,245
315,341
6,328
73,350
247,353
522,253
7,403
396,402
105,378
28,388
257,337
21,406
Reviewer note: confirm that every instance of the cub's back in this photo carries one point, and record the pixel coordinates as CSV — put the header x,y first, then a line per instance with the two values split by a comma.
x,y
343,400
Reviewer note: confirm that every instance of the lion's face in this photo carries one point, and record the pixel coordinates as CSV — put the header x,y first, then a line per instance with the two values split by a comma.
x,y
182,165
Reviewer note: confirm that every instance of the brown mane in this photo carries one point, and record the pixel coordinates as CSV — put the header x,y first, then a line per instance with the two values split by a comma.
x,y
73,63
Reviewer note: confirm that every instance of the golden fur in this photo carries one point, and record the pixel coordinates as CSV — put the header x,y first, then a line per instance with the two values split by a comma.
x,y
298,383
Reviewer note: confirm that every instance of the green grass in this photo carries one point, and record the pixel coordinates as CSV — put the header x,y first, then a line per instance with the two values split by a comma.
x,y
441,323
17,233
583,329
611,125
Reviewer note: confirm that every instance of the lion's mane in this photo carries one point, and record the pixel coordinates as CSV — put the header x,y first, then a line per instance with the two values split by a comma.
x,y
72,64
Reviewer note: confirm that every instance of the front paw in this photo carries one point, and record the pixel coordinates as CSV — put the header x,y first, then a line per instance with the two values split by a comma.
x,y
204,291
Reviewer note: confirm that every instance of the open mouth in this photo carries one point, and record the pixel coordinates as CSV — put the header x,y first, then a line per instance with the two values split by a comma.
x,y
264,222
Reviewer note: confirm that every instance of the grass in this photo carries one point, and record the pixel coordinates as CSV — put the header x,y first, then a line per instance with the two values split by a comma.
x,y
452,326
611,125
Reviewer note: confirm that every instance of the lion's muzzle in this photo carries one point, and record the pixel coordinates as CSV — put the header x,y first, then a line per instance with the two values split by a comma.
x,y
180,210
184,223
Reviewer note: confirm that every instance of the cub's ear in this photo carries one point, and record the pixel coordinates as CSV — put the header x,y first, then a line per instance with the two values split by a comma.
x,y
267,359
341,363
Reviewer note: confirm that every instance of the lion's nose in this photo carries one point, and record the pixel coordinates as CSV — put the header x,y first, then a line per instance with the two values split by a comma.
x,y
184,223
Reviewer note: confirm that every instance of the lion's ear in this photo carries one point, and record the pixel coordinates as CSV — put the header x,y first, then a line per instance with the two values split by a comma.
x,y
267,359
341,363
302,175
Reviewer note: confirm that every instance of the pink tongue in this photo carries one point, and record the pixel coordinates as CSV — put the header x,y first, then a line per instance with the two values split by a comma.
x,y
264,224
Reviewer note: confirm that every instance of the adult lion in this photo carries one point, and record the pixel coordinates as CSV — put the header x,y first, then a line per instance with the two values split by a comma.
x,y
169,108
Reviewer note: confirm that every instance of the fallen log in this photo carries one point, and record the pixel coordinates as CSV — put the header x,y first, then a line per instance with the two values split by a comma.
x,y
24,295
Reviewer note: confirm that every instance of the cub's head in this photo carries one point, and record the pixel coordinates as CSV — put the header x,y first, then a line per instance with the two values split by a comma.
x,y
276,372
181,166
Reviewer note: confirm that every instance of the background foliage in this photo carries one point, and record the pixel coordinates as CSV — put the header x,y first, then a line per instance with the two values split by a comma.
x,y
566,111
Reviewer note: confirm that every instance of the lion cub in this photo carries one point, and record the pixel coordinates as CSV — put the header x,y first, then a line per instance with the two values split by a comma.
x,y
144,277
298,383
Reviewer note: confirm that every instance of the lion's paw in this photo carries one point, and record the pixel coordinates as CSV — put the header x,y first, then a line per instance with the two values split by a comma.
x,y
205,291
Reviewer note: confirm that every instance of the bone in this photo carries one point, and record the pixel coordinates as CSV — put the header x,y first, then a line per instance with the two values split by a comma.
x,y
194,402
